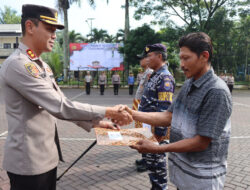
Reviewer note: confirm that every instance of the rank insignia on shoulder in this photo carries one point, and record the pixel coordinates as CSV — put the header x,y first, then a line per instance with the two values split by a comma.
x,y
31,54
32,69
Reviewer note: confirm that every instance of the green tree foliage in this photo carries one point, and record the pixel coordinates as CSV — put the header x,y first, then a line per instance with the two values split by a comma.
x,y
137,40
222,42
110,39
120,36
170,37
76,37
226,22
196,14
98,35
9,16
55,59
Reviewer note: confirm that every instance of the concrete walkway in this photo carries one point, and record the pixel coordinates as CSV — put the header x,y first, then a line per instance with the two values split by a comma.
x,y
112,167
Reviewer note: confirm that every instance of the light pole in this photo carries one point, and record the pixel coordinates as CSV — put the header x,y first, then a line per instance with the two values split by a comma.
x,y
90,19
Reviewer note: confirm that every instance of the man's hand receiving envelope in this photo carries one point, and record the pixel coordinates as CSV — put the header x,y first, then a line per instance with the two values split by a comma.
x,y
146,146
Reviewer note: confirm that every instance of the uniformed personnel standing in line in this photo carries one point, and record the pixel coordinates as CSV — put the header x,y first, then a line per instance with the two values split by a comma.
x,y
88,80
102,81
116,82
34,101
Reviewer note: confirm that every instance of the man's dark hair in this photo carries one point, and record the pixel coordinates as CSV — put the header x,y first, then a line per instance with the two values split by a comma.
x,y
197,42
34,20
164,55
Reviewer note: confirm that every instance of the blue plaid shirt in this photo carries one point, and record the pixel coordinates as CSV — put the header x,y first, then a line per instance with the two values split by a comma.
x,y
202,107
158,95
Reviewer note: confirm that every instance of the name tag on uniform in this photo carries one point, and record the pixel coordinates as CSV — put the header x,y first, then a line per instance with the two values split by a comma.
x,y
115,135
165,96
145,125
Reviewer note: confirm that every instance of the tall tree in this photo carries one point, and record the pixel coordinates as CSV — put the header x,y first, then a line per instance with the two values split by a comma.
x,y
9,16
63,6
196,14
126,28
137,40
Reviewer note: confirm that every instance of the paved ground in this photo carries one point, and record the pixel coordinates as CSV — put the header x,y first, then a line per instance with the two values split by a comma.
x,y
112,168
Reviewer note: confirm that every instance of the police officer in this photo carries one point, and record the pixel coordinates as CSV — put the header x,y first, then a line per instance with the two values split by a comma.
x,y
102,82
157,96
34,101
116,82
88,80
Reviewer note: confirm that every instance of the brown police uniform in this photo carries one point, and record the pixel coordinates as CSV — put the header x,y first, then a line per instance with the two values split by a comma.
x,y
33,102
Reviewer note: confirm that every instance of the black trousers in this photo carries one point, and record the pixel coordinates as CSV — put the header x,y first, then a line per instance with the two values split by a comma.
x,y
116,89
230,86
131,89
102,89
87,87
45,181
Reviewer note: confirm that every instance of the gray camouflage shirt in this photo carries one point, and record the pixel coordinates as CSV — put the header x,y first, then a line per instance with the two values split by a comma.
x,y
143,82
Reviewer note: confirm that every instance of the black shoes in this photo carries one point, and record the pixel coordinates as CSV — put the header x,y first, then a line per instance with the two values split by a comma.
x,y
139,162
140,165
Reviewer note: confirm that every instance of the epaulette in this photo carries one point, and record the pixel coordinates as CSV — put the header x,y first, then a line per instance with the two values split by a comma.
x,y
32,56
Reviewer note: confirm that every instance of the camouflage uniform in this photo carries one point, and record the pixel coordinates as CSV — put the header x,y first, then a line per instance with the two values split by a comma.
x,y
157,97
139,92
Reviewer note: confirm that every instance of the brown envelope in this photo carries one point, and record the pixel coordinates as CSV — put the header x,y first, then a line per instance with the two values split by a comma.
x,y
123,137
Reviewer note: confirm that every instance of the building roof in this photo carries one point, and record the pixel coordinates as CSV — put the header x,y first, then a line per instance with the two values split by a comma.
x,y
10,29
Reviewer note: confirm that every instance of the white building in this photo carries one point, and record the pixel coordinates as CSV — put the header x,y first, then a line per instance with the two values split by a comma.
x,y
10,35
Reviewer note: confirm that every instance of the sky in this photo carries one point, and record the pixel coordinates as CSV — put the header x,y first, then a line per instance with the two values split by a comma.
x,y
110,17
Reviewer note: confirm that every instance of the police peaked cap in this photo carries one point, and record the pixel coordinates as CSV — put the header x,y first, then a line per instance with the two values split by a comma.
x,y
155,47
42,13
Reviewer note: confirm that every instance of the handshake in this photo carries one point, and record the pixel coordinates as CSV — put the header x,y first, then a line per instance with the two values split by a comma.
x,y
120,115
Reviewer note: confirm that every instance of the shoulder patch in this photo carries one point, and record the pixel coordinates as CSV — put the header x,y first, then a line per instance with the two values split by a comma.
x,y
32,69
167,85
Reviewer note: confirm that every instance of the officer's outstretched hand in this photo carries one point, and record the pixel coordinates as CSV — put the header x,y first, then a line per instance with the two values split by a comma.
x,y
107,125
119,115
146,146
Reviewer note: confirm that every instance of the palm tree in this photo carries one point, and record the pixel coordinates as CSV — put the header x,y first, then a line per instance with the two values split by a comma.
x,y
119,36
76,37
110,39
126,19
98,35
126,31
63,6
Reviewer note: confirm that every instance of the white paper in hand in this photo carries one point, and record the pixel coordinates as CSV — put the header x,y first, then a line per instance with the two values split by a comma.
x,y
144,125
115,136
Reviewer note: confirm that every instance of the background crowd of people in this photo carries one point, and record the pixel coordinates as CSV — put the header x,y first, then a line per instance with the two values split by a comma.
x,y
229,80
